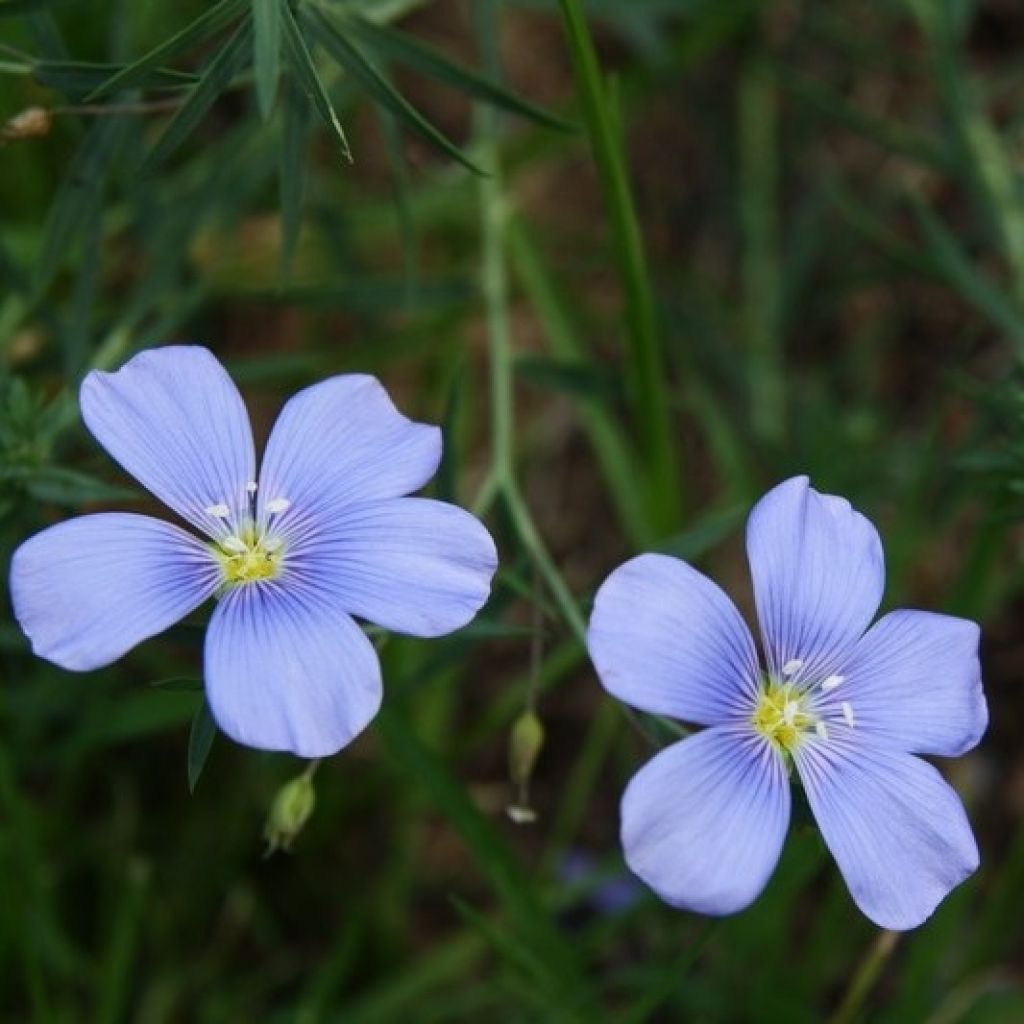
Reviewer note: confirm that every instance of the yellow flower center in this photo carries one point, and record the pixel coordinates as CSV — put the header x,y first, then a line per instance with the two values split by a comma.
x,y
781,715
247,557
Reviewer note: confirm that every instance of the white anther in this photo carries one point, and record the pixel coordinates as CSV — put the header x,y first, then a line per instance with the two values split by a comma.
x,y
848,713
252,487
789,712
233,544
791,666
271,544
278,505
831,683
821,730
220,511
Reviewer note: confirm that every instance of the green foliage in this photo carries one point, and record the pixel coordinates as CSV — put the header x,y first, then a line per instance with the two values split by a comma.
x,y
694,248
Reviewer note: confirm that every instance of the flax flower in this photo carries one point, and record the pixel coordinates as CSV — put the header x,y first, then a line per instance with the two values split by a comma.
x,y
323,533
849,704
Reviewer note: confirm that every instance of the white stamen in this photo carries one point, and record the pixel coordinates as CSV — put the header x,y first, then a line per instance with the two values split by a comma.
x,y
220,511
233,544
821,730
831,683
252,486
278,505
848,713
271,544
791,666
789,712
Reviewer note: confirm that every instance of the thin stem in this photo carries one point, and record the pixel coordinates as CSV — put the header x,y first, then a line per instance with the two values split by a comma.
x,y
867,975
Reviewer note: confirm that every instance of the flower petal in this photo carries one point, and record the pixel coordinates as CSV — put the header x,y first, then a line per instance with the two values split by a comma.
x,y
896,828
88,590
286,669
667,640
703,822
413,565
914,683
343,442
818,573
174,419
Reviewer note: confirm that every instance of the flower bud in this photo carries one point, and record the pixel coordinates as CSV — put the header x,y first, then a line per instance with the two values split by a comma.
x,y
525,743
289,812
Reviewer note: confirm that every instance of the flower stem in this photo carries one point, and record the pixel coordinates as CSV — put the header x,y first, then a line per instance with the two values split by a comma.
x,y
867,975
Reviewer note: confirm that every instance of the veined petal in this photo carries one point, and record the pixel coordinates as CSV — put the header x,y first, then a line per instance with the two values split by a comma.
x,y
338,443
703,822
412,565
914,683
818,572
88,590
174,419
667,640
896,828
286,669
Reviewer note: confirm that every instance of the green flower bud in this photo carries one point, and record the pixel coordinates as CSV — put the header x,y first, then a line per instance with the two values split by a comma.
x,y
525,743
289,812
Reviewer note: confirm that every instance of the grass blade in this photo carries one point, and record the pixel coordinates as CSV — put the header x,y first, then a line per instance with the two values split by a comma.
x,y
306,75
292,168
646,370
266,56
206,25
407,50
380,89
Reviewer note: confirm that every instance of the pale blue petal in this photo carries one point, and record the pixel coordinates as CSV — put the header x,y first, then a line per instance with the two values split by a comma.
x,y
667,640
914,684
412,565
286,669
704,821
342,442
174,419
895,827
90,589
818,573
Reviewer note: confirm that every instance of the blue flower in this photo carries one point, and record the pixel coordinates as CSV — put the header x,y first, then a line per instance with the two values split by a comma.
x,y
704,821
323,533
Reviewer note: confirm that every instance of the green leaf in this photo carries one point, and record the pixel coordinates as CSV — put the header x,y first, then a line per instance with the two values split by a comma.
x,y
215,79
63,486
178,684
78,194
78,76
415,54
380,89
200,740
306,75
205,26
292,168
266,59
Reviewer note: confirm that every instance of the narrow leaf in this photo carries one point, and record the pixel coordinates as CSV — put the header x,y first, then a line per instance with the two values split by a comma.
x,y
306,75
423,58
215,79
380,89
292,168
266,22
206,25
200,740
78,76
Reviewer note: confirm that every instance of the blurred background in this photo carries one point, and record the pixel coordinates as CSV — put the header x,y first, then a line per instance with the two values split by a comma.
x,y
641,260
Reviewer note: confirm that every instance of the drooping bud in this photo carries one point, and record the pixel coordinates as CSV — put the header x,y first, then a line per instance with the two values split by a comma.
x,y
289,812
31,123
525,743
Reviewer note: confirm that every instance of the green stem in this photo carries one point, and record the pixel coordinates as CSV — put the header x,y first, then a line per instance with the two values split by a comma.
x,y
867,975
